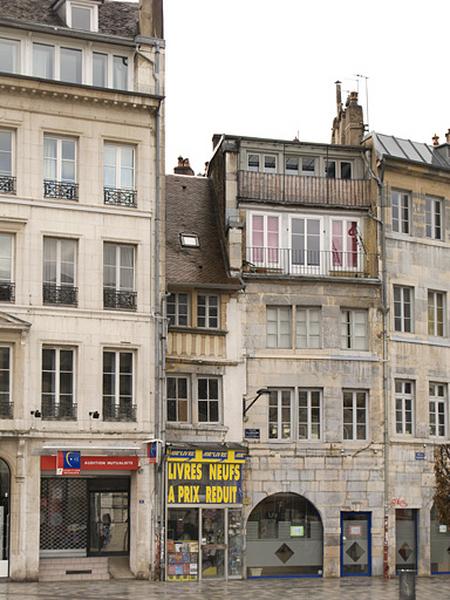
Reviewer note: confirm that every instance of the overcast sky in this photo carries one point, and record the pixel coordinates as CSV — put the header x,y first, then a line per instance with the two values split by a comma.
x,y
267,68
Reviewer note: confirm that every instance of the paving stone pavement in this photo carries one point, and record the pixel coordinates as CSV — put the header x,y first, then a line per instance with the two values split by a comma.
x,y
355,588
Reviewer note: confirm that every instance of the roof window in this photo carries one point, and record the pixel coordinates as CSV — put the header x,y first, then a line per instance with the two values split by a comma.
x,y
78,14
189,240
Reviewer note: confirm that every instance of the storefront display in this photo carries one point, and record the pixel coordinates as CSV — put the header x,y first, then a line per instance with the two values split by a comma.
x,y
204,514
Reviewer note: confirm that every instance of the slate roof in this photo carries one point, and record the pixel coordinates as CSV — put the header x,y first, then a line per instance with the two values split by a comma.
x,y
190,209
115,18
390,145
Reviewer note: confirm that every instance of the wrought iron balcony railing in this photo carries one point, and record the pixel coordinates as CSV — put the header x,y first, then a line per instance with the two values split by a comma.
x,y
120,299
318,263
7,184
297,189
124,411
66,295
61,190
6,409
120,197
7,291
65,410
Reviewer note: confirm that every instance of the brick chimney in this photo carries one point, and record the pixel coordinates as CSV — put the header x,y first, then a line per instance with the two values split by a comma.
x,y
348,125
151,23
183,167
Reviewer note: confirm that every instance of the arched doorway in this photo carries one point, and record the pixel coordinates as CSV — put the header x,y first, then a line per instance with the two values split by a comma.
x,y
284,538
4,518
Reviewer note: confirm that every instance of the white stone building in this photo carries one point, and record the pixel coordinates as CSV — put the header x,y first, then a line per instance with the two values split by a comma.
x,y
81,138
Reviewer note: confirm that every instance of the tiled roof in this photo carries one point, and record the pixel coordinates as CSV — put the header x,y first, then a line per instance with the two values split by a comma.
x,y
190,209
115,18
390,145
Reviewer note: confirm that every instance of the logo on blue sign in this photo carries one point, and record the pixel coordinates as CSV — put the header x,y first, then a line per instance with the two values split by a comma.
x,y
72,460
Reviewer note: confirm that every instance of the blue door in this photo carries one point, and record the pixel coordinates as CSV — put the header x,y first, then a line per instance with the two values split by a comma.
x,y
356,544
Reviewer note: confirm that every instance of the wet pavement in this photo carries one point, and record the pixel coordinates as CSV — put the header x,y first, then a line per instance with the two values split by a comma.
x,y
354,588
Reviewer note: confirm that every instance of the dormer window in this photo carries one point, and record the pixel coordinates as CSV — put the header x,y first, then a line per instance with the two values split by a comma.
x,y
78,14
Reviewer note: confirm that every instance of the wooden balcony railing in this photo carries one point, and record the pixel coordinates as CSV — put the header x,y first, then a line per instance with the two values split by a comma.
x,y
293,189
201,344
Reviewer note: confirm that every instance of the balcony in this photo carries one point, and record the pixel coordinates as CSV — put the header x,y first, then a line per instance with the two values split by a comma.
x,y
7,184
120,197
66,410
310,263
119,299
65,295
60,190
122,412
6,409
7,291
293,189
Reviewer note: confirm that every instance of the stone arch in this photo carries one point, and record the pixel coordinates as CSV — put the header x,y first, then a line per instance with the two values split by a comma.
x,y
284,537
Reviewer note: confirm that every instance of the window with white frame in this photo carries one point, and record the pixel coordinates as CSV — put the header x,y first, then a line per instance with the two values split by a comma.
x,y
267,163
5,380
264,240
309,414
308,327
119,276
60,63
354,329
177,399
403,308
401,209
433,218
43,61
436,313
178,309
120,72
279,321
208,399
344,243
119,161
404,406
58,383
118,390
6,155
338,169
59,159
280,417
71,65
438,409
82,16
59,271
305,244
208,311
6,263
9,55
99,69
355,415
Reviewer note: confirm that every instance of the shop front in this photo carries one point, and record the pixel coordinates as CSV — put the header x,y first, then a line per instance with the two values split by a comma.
x,y
85,505
204,526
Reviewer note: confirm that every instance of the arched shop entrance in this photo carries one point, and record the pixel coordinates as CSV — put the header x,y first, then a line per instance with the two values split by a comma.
x,y
4,518
284,538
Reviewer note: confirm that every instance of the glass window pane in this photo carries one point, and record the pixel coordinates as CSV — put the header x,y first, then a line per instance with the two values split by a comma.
x,y
43,61
71,65
81,18
9,55
100,69
120,72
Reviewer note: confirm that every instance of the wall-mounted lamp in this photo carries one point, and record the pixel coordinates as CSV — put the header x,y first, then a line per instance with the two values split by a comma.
x,y
94,414
259,393
36,413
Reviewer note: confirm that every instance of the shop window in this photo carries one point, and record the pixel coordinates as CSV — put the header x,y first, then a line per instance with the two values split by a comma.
x,y
291,529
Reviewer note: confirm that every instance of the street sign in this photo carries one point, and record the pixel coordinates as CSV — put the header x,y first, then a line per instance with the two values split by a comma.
x,y
420,455
252,434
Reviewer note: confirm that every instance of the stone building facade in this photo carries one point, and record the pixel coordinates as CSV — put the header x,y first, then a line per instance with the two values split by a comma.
x,y
298,229
81,135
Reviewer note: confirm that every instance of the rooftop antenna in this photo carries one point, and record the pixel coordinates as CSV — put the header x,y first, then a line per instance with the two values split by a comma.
x,y
359,76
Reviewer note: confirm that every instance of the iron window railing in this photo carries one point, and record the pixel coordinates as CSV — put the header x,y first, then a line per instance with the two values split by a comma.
x,y
66,410
323,263
6,409
60,294
7,184
124,411
120,197
120,299
7,292
61,190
